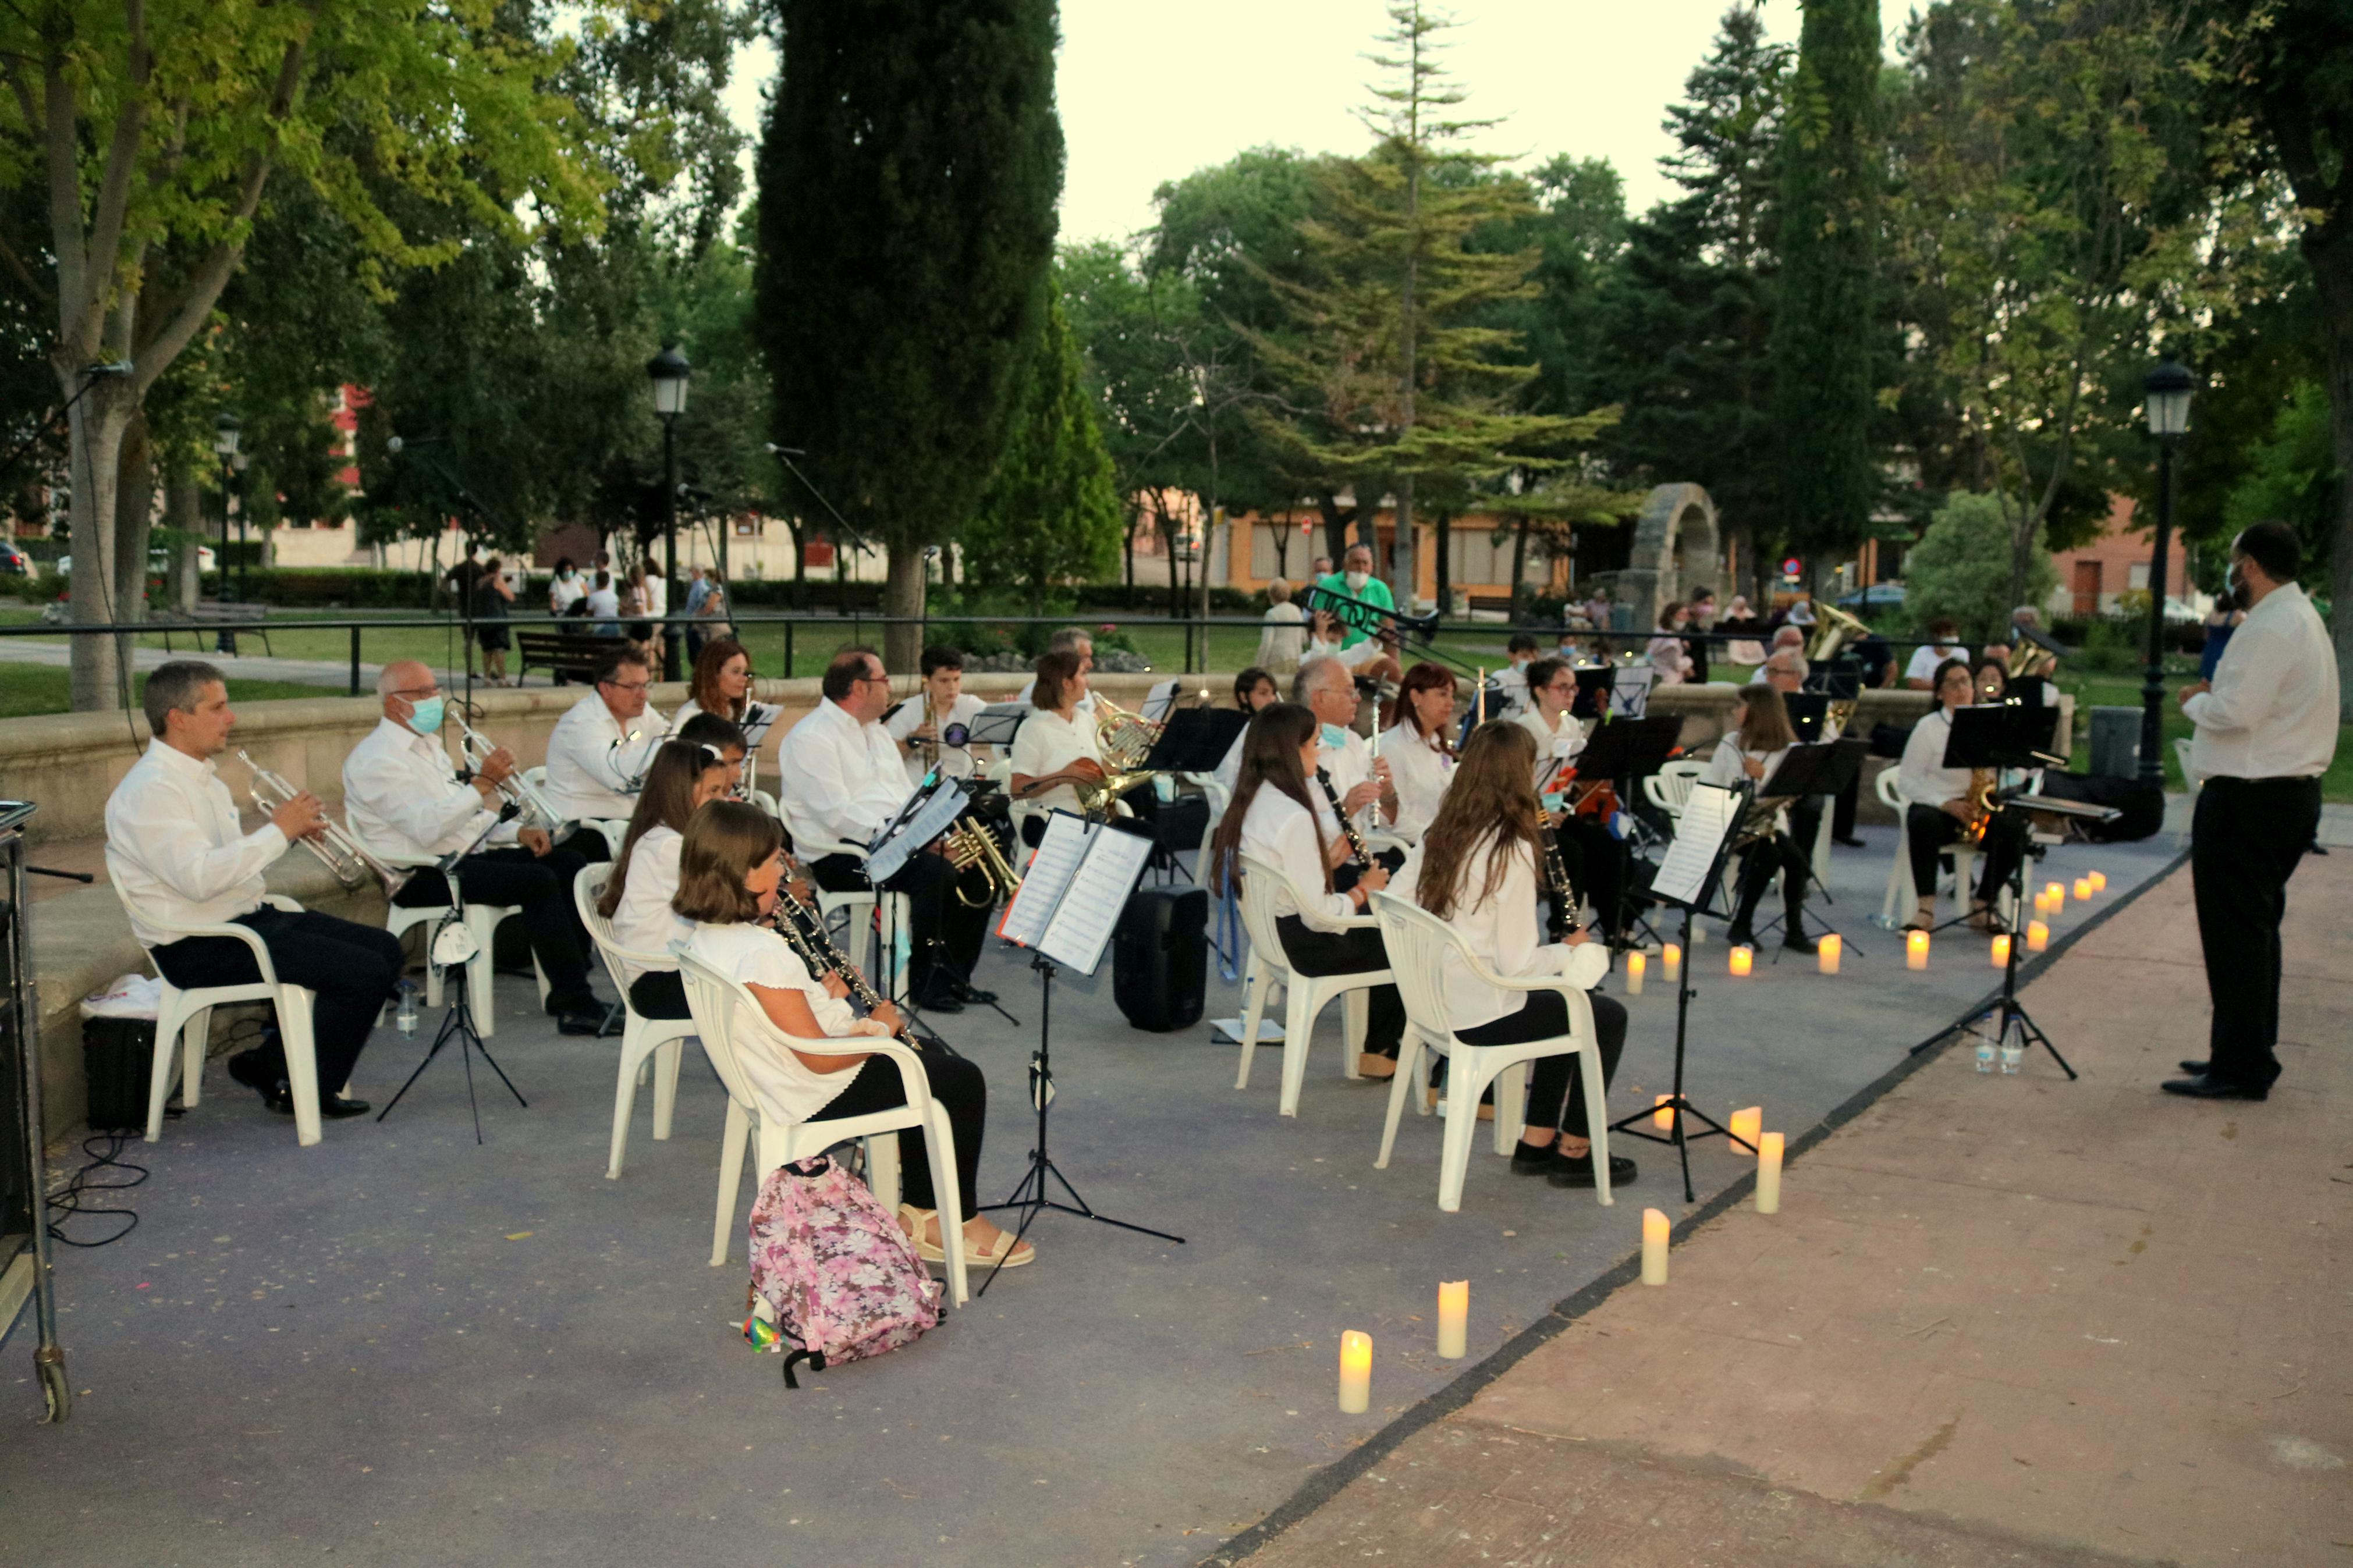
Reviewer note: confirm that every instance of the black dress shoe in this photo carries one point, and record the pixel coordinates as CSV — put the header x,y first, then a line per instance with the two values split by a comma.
x,y
1799,942
1851,843
974,995
336,1105
1578,1171
245,1069
1740,936
2203,1087
938,997
2195,1070
585,1021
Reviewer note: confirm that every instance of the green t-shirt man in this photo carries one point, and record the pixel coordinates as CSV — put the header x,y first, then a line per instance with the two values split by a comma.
x,y
1358,582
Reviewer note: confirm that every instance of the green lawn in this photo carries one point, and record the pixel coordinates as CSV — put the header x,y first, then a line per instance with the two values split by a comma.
x,y
2123,691
27,688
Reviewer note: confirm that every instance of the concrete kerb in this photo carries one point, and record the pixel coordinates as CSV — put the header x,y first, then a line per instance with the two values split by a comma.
x,y
1329,1482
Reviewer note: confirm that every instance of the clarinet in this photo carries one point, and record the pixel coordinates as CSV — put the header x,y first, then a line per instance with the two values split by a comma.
x,y
804,933
1363,857
1561,893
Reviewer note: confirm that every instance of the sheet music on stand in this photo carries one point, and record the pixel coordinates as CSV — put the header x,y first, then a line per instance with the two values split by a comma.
x,y
1687,875
1631,697
994,725
1074,890
1159,700
933,817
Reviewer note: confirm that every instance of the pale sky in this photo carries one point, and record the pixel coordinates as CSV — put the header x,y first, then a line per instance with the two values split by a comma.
x,y
1153,92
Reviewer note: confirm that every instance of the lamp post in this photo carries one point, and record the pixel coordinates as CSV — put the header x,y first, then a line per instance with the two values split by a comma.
x,y
668,370
2168,388
226,429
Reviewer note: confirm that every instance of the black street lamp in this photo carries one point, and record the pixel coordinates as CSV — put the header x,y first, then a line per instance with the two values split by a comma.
x,y
2168,388
669,371
225,430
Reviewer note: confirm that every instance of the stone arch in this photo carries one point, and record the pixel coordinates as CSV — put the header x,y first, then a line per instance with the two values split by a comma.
x,y
1676,550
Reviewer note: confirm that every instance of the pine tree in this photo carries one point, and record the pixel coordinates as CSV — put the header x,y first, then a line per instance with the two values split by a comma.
x,y
907,191
1829,232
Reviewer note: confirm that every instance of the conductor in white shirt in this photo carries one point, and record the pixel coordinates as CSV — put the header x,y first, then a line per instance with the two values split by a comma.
x,y
2266,732
174,849
404,802
601,747
839,775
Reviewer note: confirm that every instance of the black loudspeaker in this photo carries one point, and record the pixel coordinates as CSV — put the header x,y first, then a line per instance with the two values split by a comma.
x,y
1160,958
118,1057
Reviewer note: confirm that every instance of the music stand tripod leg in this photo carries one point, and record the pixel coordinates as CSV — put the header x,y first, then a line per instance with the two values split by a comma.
x,y
1677,1103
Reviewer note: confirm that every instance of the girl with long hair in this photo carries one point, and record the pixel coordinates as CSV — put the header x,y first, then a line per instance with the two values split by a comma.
x,y
1419,747
1937,808
1752,750
730,866
1275,818
1477,871
682,777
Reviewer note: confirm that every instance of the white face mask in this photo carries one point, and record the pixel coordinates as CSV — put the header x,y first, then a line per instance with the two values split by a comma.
x,y
1357,580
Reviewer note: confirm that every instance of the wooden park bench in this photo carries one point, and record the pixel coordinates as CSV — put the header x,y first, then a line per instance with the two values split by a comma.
x,y
563,655
213,612
1491,603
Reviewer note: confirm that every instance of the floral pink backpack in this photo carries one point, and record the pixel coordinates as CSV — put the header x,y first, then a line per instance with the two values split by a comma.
x,y
841,1277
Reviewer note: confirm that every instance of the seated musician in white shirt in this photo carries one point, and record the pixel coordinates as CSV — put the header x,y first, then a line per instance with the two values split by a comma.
x,y
403,802
1055,749
1595,857
636,898
840,777
1069,639
920,723
1513,676
1254,688
599,749
1751,751
1361,785
176,851
1419,747
1937,808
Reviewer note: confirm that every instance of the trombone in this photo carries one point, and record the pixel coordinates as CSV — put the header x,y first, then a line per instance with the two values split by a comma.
x,y
514,788
335,849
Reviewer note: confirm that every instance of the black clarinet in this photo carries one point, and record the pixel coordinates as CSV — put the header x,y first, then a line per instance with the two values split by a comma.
x,y
1364,856
804,930
1561,891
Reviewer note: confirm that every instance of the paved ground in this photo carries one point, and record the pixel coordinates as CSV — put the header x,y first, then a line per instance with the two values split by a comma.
x,y
1997,1321
398,1346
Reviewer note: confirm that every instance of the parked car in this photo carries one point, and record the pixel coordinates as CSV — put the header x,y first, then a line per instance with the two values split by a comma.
x,y
14,562
158,561
1878,597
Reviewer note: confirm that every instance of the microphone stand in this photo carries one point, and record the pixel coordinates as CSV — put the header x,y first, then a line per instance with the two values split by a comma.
x,y
785,455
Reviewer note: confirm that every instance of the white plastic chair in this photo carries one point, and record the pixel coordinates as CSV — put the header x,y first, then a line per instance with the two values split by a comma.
x,y
722,1006
1305,995
481,970
1417,943
642,1038
809,845
1670,786
185,1019
1903,897
614,830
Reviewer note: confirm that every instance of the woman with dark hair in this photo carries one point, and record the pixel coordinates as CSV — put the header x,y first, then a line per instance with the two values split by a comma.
x,y
730,865
1666,649
1477,871
1419,747
493,594
682,777
1756,745
1276,819
1255,688
721,684
1055,750
1992,680
1937,808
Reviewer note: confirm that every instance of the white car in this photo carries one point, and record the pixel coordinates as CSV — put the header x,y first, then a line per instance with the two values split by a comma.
x,y
157,561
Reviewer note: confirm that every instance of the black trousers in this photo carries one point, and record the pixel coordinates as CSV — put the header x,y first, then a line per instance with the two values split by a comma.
x,y
353,968
1595,860
2245,840
1843,814
660,994
1319,952
541,886
956,1083
943,924
1757,863
1928,829
1556,1083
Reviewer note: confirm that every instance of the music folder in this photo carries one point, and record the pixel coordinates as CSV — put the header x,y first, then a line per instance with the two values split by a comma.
x,y
1823,768
2003,735
916,825
1195,740
1159,700
1628,748
1693,866
1074,889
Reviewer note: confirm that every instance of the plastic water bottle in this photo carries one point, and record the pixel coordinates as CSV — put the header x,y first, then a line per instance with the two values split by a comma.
x,y
2011,1058
404,1016
1985,1055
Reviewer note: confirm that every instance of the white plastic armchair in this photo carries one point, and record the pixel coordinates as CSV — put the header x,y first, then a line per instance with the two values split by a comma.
x,y
185,1021
1672,785
1417,943
644,1040
1902,896
1306,995
730,1021
481,970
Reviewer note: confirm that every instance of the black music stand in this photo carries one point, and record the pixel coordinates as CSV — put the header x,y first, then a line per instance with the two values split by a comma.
x,y
1823,768
459,1024
1596,684
1700,873
1626,752
1990,737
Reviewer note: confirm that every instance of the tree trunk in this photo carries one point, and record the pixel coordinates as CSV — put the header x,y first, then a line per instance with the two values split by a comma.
x,y
1443,545
2329,252
1127,549
99,422
184,514
1403,576
134,514
903,595
1520,567
1335,528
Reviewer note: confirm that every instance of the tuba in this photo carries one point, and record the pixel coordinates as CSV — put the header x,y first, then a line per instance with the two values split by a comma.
x,y
1833,629
334,849
2031,654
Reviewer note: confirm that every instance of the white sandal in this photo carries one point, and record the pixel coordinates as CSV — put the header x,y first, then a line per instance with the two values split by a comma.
x,y
974,1257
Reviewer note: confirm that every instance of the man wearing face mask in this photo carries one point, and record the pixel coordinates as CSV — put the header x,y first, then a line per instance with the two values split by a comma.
x,y
1326,689
1357,580
404,802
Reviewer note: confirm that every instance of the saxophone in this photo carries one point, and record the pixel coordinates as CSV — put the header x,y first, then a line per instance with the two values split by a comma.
x,y
1980,799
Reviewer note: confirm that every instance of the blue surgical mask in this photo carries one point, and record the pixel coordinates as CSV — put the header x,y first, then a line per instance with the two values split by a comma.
x,y
426,719
1333,737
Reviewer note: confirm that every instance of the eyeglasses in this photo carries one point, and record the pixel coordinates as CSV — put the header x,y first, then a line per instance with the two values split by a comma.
x,y
630,685
418,694
873,680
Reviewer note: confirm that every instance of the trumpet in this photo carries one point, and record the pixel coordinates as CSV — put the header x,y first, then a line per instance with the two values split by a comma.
x,y
335,849
970,842
518,791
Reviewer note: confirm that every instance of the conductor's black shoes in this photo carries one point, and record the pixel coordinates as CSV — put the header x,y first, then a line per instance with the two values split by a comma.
x,y
2205,1088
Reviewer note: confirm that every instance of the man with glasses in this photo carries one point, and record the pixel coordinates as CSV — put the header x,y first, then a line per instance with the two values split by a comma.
x,y
839,776
599,751
404,802
1594,856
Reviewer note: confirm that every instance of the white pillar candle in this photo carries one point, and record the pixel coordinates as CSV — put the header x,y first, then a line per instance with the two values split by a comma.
x,y
1655,1247
1826,958
1662,1117
1768,1174
1671,960
1746,1124
1916,950
2099,881
2038,936
1636,963
2082,889
2001,950
2056,893
1743,959
1356,1373
1454,1317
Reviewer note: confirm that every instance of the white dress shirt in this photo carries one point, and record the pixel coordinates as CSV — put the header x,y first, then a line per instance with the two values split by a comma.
x,y
1513,679
643,919
175,848
403,802
1421,770
1501,930
1230,771
1028,696
1278,831
1726,769
1922,776
1047,743
1926,659
1351,655
838,778
785,1088
1349,764
2272,710
1556,745
910,718
590,758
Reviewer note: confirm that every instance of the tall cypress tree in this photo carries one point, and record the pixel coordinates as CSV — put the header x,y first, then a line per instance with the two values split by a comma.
x,y
907,191
1822,324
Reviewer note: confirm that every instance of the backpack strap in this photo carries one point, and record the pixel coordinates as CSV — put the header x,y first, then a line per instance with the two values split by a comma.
x,y
814,1358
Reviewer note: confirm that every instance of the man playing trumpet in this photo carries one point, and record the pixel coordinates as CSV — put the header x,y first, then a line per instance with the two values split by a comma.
x,y
404,802
174,849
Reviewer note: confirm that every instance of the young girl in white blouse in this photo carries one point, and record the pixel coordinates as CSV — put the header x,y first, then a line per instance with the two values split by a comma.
x,y
1477,871
645,876
1419,747
1751,751
731,864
